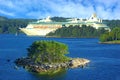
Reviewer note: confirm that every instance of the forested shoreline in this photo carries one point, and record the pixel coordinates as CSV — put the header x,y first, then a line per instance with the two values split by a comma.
x,y
111,37
8,26
77,32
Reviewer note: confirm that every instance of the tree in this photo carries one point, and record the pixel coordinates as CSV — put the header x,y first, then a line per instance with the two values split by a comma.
x,y
77,31
111,36
104,37
116,32
48,51
11,25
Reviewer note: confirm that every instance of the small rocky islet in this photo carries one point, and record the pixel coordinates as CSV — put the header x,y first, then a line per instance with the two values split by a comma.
x,y
46,67
49,56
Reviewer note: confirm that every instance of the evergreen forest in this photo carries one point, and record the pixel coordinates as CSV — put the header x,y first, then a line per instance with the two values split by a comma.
x,y
113,35
77,32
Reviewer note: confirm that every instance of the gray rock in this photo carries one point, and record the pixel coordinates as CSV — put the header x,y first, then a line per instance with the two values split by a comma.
x,y
78,62
40,67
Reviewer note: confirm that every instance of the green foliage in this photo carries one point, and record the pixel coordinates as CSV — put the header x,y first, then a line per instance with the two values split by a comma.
x,y
59,19
48,51
12,25
111,36
77,31
112,23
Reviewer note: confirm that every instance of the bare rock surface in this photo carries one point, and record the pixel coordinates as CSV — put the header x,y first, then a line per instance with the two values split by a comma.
x,y
76,62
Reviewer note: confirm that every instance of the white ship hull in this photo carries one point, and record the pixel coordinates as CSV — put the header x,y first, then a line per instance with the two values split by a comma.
x,y
36,32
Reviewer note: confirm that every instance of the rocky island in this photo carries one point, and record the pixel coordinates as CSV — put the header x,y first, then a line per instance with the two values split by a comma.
x,y
46,57
46,67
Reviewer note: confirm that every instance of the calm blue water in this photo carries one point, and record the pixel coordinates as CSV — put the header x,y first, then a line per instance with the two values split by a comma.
x,y
104,65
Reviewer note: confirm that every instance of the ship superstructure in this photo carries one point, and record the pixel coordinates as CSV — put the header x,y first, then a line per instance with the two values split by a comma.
x,y
44,26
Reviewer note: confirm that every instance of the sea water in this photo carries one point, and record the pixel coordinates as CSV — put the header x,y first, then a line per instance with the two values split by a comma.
x,y
104,65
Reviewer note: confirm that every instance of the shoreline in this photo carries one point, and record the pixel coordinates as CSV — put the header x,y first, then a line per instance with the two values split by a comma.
x,y
111,42
49,68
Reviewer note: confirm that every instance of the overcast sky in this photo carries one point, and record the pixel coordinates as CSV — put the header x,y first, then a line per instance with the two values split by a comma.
x,y
105,9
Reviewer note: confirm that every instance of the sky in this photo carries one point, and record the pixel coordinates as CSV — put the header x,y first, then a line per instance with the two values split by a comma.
x,y
36,9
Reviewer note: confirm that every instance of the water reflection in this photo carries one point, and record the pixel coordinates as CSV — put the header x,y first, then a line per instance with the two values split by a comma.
x,y
57,76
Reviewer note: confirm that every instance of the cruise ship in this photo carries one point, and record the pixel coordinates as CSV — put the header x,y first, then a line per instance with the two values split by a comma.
x,y
45,26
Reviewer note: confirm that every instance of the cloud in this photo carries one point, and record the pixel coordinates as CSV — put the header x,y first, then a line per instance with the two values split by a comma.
x,y
6,13
108,9
66,8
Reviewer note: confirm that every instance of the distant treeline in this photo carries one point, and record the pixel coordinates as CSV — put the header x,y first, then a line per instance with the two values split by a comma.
x,y
112,23
12,25
59,19
77,31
